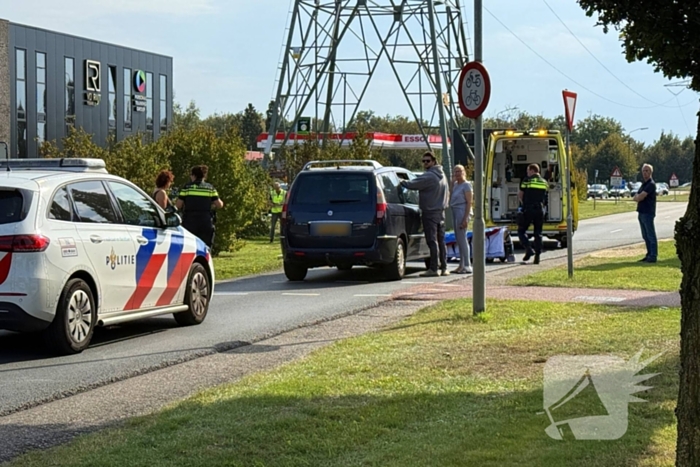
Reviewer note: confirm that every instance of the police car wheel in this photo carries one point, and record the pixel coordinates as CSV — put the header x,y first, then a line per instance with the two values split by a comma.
x,y
197,295
74,323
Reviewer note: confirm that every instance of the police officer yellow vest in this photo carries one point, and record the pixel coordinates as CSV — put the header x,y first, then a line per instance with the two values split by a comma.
x,y
277,198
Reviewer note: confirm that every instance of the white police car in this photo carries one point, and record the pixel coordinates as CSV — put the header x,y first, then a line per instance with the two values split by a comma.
x,y
81,248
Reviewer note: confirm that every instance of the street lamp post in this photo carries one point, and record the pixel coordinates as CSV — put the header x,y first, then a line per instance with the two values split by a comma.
x,y
629,142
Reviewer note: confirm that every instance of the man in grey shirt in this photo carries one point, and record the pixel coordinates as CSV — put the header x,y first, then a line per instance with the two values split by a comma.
x,y
434,197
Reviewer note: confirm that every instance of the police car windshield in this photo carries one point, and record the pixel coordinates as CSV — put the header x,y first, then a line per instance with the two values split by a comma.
x,y
332,188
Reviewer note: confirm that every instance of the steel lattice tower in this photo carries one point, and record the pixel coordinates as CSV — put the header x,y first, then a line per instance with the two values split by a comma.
x,y
333,49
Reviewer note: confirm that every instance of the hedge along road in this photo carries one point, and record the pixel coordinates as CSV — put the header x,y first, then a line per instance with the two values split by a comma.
x,y
244,310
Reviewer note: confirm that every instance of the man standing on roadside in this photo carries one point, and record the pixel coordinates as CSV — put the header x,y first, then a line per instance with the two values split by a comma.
x,y
532,194
646,209
276,202
433,198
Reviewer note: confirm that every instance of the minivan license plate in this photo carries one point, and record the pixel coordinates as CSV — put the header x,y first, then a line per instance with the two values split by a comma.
x,y
331,229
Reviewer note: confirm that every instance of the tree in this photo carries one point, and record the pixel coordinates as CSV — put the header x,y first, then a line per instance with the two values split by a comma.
x,y
612,152
251,127
594,129
667,35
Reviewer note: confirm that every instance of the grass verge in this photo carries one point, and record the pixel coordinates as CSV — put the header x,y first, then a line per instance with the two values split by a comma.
x,y
256,256
604,207
615,269
441,388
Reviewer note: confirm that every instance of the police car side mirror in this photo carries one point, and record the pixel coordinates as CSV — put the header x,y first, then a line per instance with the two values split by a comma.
x,y
172,219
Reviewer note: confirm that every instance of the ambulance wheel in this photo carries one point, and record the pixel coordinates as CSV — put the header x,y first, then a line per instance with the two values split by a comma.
x,y
71,330
197,295
563,241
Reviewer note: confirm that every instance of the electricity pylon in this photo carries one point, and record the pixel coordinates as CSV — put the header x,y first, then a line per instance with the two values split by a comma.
x,y
333,50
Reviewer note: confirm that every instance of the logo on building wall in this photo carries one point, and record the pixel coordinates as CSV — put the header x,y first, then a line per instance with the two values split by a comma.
x,y
93,82
140,80
92,76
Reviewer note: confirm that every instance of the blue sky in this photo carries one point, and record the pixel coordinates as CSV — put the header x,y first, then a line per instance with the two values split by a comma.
x,y
226,54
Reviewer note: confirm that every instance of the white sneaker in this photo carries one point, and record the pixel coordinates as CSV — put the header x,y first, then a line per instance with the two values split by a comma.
x,y
468,270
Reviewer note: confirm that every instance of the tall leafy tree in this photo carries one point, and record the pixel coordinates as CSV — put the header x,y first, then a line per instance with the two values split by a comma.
x,y
594,129
667,35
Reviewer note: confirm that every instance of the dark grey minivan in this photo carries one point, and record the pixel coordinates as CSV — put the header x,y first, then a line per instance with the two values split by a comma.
x,y
345,213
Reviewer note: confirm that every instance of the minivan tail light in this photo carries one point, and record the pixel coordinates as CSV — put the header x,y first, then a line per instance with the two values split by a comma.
x,y
381,206
285,206
23,243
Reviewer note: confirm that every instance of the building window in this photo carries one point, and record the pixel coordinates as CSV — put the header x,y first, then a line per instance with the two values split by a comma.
x,y
127,98
21,85
69,65
40,97
112,98
163,102
149,101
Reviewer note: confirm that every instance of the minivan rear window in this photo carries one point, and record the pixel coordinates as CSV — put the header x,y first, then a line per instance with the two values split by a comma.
x,y
332,188
11,206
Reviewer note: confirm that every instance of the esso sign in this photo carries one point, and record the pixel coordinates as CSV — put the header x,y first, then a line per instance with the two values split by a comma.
x,y
413,139
474,89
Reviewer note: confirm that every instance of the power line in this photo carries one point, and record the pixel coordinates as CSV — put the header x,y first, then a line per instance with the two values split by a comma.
x,y
569,77
596,58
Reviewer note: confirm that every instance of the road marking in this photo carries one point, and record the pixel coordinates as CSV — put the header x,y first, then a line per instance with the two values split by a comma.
x,y
594,298
231,293
371,295
301,294
618,230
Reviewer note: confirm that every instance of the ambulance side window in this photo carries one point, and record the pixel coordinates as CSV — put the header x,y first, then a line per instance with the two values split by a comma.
x,y
136,208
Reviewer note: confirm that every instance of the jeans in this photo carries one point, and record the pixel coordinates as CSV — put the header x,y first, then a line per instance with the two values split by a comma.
x,y
461,235
646,223
434,228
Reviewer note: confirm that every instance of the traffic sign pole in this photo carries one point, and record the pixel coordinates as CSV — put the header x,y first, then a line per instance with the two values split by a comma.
x,y
569,109
479,281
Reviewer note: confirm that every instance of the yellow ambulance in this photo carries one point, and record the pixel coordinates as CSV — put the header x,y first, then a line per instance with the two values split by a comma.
x,y
509,152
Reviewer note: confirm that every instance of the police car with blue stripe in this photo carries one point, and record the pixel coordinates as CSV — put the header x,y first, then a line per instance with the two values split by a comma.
x,y
81,248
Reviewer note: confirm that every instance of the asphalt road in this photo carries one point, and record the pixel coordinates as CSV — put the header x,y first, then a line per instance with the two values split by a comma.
x,y
243,310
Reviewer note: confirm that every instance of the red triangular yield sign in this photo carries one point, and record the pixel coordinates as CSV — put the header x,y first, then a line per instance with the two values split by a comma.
x,y
616,173
673,177
570,108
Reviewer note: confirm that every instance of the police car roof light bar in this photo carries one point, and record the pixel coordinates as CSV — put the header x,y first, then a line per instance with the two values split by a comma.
x,y
64,164
346,162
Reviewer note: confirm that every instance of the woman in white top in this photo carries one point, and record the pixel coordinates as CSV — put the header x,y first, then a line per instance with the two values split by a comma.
x,y
461,204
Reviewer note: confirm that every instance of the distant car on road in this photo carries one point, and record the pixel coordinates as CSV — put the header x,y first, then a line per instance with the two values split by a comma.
x,y
662,189
620,192
598,191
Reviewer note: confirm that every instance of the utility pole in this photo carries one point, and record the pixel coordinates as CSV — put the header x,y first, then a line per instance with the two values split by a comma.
x,y
479,281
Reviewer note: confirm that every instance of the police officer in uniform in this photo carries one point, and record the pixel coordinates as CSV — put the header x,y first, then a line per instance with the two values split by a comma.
x,y
532,194
277,201
197,199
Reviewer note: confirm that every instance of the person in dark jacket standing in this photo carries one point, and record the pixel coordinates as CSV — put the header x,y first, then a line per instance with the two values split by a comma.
x,y
646,211
434,197
196,201
532,194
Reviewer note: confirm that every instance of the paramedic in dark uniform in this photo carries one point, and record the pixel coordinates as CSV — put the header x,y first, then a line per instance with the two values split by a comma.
x,y
196,201
532,194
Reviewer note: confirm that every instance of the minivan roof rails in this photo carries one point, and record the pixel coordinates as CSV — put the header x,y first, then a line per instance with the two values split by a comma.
x,y
66,164
344,162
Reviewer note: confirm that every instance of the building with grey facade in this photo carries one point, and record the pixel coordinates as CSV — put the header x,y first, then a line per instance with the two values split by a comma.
x,y
50,82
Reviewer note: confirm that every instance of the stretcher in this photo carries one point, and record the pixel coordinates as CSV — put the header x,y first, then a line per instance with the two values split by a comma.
x,y
498,244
